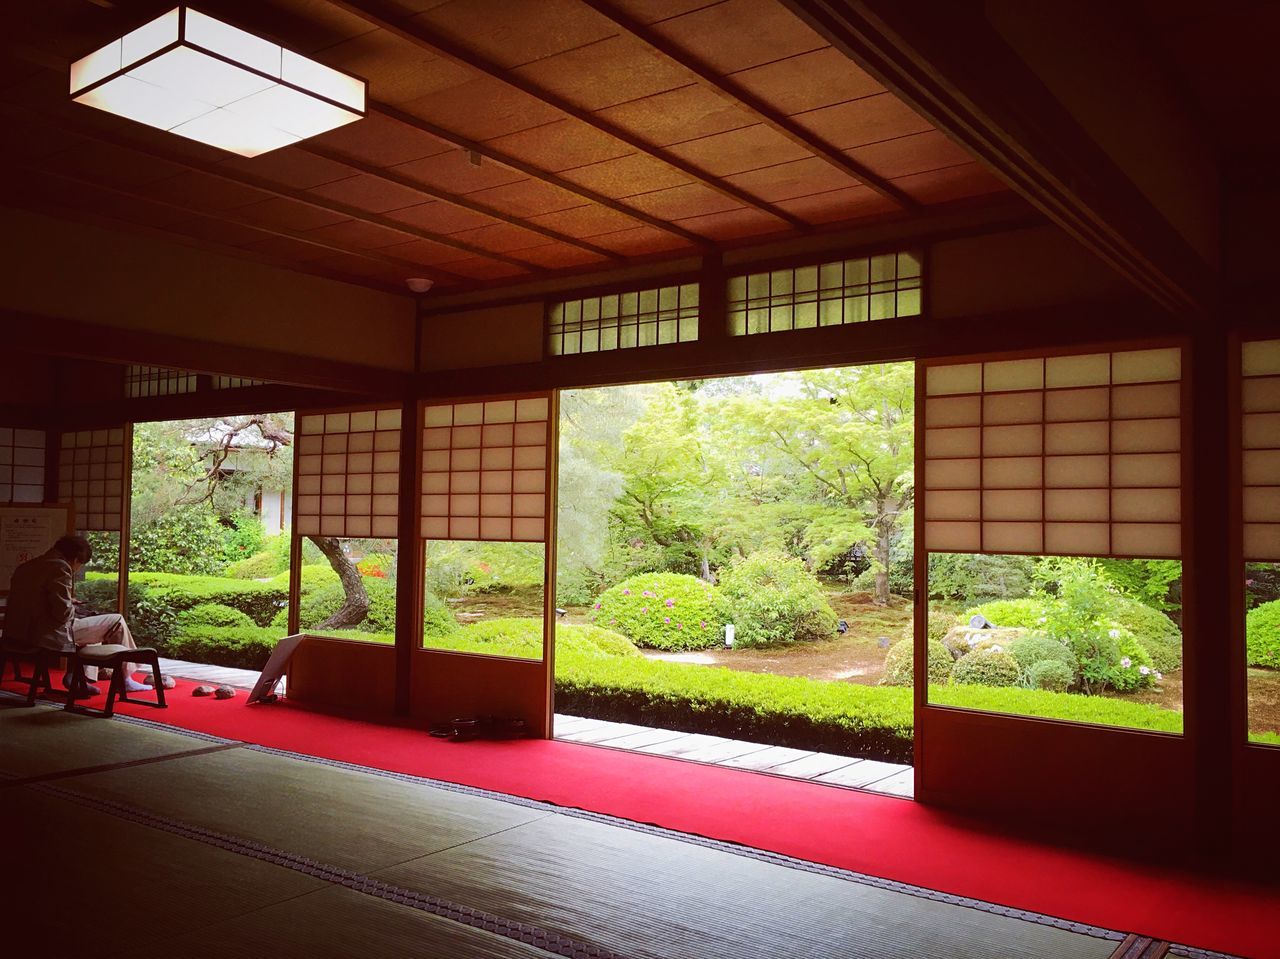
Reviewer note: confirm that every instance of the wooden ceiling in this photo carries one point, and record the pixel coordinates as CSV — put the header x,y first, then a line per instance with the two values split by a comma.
x,y
506,139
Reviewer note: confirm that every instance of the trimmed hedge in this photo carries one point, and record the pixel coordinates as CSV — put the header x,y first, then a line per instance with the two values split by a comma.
x,y
213,614
1099,710
662,611
240,647
1051,674
1262,632
899,663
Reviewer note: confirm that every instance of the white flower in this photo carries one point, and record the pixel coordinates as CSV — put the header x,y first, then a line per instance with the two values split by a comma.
x,y
996,649
1042,620
1126,662
1159,675
1114,634
1146,671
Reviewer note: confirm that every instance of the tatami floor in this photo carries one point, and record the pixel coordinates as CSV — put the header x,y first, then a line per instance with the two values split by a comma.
x,y
125,839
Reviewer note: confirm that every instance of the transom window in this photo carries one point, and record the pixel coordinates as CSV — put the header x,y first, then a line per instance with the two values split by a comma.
x,y
622,321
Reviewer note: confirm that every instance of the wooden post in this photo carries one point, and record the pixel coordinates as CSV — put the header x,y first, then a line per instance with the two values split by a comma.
x,y
126,517
409,558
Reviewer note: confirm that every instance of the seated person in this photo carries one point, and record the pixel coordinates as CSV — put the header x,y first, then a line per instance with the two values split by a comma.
x,y
42,610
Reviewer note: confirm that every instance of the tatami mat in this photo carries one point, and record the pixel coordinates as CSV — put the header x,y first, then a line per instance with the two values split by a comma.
x,y
347,819
43,740
648,896
336,922
82,882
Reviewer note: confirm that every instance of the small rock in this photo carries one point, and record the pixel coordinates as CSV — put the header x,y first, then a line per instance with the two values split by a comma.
x,y
883,642
202,691
224,692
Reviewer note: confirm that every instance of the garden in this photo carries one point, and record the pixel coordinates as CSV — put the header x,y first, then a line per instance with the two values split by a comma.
x,y
734,557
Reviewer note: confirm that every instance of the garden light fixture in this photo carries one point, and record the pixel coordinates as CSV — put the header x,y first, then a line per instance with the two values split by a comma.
x,y
200,78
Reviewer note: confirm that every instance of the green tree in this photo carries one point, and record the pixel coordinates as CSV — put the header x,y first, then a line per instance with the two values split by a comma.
x,y
850,432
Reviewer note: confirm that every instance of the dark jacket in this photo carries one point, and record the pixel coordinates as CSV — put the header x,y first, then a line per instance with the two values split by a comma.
x,y
39,611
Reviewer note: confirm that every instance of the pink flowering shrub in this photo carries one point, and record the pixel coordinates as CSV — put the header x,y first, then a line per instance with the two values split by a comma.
x,y
662,611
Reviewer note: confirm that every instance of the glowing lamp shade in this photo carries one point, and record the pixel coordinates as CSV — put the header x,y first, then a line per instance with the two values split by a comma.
x,y
200,78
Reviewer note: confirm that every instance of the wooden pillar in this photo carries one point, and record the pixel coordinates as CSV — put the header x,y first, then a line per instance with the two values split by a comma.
x,y
713,314
409,557
1208,575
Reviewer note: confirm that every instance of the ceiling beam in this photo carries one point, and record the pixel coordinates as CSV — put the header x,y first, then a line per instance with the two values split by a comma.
x,y
283,192
735,93
54,336
453,199
536,173
423,36
950,65
409,266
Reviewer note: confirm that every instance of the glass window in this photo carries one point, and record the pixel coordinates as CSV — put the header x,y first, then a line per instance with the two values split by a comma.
x,y
598,324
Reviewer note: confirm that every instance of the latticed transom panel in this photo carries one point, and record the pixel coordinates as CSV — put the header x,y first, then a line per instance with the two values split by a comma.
x,y
484,470
1260,436
21,465
826,294
91,475
348,466
146,381
1058,455
622,321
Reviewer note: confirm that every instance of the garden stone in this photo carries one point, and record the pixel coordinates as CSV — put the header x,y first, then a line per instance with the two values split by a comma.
x,y
224,692
202,691
964,639
883,642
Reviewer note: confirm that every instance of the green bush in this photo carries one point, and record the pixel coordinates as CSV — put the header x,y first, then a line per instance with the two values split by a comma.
x,y
313,578
459,569
522,637
662,611
1262,632
183,540
1026,613
941,622
972,578
899,663
772,599
239,647
985,667
1051,674
212,614
1156,632
1031,649
262,565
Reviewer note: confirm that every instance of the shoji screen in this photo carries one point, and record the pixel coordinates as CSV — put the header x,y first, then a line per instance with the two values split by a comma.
x,y
91,474
21,465
348,473
484,470
1058,455
1260,436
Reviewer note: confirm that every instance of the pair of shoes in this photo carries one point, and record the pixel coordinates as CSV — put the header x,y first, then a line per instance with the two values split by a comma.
x,y
84,692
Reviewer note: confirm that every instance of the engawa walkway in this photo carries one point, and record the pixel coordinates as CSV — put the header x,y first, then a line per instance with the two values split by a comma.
x,y
887,778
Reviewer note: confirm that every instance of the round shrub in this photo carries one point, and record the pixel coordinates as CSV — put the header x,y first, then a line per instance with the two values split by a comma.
x,y
212,614
1134,669
259,566
1262,631
662,611
313,578
1051,674
941,622
1154,631
985,667
899,663
1024,613
437,618
1031,649
772,599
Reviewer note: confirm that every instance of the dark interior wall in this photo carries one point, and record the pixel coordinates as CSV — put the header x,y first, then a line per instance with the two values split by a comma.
x,y
26,380
1147,131
88,273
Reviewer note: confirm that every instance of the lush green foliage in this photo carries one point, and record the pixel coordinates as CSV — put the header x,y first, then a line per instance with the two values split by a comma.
x,y
985,667
1031,649
323,602
1155,583
263,565
187,540
461,569
1050,674
772,599
974,578
662,611
240,647
522,637
1099,710
1262,631
899,663
1155,631
1025,613
212,614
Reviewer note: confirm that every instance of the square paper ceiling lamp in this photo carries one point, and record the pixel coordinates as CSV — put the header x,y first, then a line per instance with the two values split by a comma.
x,y
200,78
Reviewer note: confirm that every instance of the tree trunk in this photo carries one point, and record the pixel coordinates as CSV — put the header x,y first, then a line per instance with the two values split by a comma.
x,y
355,603
883,533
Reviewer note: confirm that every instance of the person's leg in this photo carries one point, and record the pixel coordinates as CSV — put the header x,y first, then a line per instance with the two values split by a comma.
x,y
92,630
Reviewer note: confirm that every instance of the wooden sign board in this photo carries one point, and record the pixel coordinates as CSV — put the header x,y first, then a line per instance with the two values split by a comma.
x,y
274,671
26,531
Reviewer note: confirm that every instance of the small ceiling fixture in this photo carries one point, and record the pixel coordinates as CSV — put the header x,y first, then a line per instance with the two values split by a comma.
x,y
198,77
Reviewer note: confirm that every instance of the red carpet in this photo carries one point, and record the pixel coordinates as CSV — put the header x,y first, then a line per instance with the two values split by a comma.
x,y
882,836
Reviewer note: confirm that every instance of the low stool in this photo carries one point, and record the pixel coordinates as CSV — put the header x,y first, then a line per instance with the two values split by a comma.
x,y
113,657
12,653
